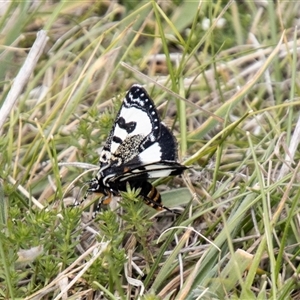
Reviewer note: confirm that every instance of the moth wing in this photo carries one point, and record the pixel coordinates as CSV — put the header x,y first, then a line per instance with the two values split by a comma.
x,y
158,160
137,131
154,170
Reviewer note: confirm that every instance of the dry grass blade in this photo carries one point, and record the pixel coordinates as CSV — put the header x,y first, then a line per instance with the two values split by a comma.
x,y
23,76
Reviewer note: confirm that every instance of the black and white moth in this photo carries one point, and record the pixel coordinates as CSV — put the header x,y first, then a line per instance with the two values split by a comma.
x,y
139,147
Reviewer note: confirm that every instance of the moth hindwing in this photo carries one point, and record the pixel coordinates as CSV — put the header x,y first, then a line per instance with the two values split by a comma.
x,y
139,147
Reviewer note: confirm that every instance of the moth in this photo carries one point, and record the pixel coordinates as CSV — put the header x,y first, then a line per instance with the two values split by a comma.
x,y
139,147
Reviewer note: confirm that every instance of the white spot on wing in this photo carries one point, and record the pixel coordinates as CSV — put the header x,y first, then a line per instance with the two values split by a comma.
x,y
158,174
151,154
132,114
159,170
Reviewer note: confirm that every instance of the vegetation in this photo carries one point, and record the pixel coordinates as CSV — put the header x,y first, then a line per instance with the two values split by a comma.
x,y
224,75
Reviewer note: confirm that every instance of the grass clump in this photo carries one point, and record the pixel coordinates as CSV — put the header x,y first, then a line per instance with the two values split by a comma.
x,y
224,78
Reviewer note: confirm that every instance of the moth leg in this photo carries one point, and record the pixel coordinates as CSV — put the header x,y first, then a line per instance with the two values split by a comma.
x,y
77,203
84,198
104,200
152,197
159,207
